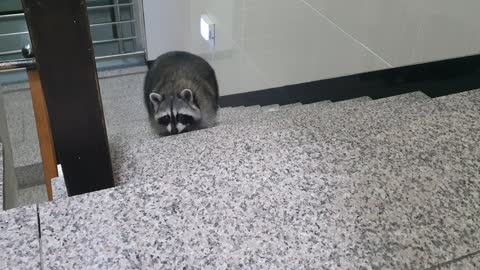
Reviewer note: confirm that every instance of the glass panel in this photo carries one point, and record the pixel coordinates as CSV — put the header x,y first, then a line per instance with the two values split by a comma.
x,y
101,15
92,3
25,167
106,49
10,6
103,32
12,36
126,12
109,37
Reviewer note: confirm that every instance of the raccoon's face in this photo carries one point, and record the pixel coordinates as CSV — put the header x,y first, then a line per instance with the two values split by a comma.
x,y
175,114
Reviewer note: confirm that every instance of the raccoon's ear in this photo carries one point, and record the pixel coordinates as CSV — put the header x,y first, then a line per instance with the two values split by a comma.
x,y
187,94
156,99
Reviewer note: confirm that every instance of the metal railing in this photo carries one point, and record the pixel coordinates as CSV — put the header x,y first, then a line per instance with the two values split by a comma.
x,y
20,63
118,25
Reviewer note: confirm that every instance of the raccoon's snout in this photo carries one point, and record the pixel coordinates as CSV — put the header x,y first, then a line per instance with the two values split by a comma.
x,y
172,130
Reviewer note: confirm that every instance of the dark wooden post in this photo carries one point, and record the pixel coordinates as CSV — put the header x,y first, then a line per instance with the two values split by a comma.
x,y
62,44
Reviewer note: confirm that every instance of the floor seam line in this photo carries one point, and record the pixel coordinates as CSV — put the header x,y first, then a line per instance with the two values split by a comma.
x,y
454,260
40,250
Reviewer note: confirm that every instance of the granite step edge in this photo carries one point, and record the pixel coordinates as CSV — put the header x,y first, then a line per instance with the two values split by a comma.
x,y
324,108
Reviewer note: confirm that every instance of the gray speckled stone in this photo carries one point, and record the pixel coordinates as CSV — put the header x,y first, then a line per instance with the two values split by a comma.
x,y
291,105
16,87
59,190
25,154
386,186
30,127
1,177
19,109
122,71
71,240
331,111
15,125
123,86
224,114
234,116
468,263
411,97
470,102
123,105
32,195
134,131
31,175
322,113
271,108
354,100
19,243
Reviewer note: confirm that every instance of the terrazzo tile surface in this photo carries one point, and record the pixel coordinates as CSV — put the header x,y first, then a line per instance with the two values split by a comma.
x,y
141,130
30,127
31,175
388,186
22,128
123,86
19,243
325,113
333,112
15,87
59,190
291,105
409,97
1,177
19,108
109,242
271,108
15,125
32,195
233,117
122,72
309,107
25,154
469,263
354,100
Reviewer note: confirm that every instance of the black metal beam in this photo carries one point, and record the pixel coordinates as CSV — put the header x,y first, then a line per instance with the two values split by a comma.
x,y
62,44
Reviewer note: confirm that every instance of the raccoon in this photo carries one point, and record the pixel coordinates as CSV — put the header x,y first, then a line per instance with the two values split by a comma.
x,y
181,93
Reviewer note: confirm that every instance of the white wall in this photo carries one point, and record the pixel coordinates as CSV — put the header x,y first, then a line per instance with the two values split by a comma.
x,y
175,25
269,43
166,22
408,31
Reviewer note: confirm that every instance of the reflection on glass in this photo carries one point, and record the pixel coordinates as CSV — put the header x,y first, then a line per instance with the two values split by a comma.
x,y
112,23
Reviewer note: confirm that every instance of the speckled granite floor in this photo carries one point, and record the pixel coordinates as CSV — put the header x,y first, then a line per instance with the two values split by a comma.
x,y
32,195
470,262
383,184
1,176
121,95
19,239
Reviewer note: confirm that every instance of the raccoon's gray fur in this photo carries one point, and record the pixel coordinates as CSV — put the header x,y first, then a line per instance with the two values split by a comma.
x,y
181,93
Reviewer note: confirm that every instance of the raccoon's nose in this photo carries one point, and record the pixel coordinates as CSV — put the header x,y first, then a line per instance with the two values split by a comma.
x,y
174,131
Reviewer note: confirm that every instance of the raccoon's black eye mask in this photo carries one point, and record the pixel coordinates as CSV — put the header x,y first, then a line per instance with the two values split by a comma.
x,y
185,119
164,120
181,118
